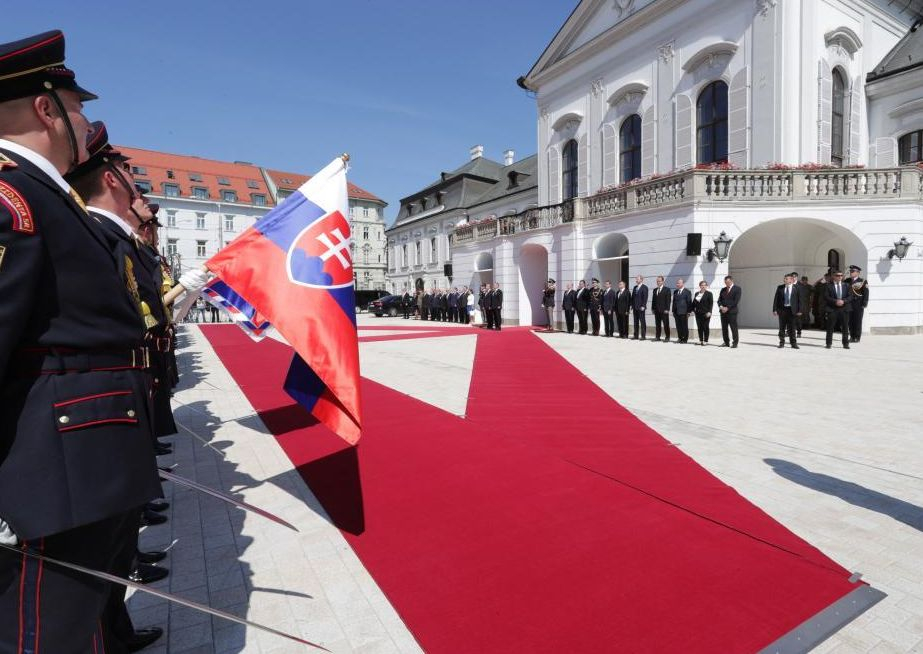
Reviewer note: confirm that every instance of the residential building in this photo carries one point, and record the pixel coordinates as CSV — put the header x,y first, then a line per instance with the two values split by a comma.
x,y
788,130
205,204
473,195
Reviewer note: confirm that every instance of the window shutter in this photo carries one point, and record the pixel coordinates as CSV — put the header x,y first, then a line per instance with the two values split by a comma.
x,y
684,131
885,152
583,153
824,111
609,154
739,118
554,175
647,142
855,107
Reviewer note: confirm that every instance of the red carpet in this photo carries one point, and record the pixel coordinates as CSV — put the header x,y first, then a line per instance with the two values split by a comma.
x,y
550,520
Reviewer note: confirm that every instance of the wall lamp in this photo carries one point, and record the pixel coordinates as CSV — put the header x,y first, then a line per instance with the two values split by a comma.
x,y
721,249
900,248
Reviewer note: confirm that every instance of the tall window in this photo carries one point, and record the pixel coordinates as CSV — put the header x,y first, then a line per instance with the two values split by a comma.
x,y
433,250
171,247
365,233
200,248
630,148
171,219
569,170
229,223
712,123
419,252
404,255
200,221
836,120
171,190
910,147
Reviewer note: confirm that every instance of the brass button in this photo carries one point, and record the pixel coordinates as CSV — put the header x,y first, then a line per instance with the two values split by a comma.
x,y
64,420
130,413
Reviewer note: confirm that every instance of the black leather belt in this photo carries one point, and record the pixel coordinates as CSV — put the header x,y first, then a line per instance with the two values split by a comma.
x,y
52,361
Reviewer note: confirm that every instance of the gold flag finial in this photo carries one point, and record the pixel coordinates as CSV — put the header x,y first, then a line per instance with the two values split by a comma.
x,y
345,157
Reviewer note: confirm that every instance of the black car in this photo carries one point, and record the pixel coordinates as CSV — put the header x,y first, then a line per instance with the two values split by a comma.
x,y
364,299
389,304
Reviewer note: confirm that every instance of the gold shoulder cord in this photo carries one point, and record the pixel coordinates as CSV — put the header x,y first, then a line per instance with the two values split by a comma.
x,y
132,284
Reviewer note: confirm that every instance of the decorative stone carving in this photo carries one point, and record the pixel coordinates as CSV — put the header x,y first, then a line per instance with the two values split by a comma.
x,y
665,52
596,87
623,8
764,6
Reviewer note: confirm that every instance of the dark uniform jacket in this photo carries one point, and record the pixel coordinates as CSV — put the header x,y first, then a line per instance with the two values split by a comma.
x,y
495,298
583,299
75,443
596,299
548,298
859,290
660,299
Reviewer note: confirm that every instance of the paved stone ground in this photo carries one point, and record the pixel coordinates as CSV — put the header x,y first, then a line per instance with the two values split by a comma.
x,y
825,441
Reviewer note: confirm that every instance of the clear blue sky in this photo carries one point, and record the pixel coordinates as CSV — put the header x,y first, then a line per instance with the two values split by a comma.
x,y
405,86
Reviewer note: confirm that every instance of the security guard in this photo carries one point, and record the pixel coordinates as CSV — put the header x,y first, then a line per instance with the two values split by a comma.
x,y
76,452
596,302
859,289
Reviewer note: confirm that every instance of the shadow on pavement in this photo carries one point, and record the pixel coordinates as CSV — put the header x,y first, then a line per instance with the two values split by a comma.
x,y
909,514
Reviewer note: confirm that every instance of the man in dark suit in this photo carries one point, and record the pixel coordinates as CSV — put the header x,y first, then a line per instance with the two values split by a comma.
x,y
660,307
406,304
496,305
682,307
639,306
582,300
453,305
622,309
569,305
859,300
837,301
787,306
427,306
76,446
728,301
820,306
596,301
609,309
804,299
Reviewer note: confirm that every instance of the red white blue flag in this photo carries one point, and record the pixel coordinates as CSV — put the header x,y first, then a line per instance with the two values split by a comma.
x,y
294,269
238,309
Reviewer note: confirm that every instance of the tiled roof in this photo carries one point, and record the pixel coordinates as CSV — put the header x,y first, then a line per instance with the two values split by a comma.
x,y
907,54
216,176
291,181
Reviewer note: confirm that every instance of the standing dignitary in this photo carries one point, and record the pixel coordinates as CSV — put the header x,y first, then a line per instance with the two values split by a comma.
x,y
682,307
837,300
76,451
583,305
596,302
622,309
496,306
548,303
609,309
820,301
406,304
859,289
804,299
786,304
728,301
702,305
660,307
569,305
639,307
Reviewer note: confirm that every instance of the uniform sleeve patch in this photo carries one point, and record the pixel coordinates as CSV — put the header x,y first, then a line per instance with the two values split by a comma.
x,y
18,207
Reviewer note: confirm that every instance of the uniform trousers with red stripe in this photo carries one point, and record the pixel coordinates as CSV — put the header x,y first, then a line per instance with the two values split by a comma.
x,y
46,609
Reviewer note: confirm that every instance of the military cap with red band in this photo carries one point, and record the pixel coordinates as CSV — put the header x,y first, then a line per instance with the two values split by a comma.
x,y
35,65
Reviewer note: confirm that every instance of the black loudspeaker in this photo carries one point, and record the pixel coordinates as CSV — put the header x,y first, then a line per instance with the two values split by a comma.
x,y
693,244
447,270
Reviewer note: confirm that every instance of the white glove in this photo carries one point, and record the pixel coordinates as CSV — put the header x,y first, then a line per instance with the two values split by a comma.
x,y
194,279
7,537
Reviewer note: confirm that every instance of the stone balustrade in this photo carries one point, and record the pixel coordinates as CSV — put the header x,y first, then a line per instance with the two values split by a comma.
x,y
710,186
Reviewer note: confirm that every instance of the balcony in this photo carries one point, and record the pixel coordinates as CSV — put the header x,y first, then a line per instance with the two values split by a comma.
x,y
714,187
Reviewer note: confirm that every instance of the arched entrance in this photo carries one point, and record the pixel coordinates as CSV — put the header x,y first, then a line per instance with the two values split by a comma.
x,y
483,270
419,284
610,252
533,274
763,254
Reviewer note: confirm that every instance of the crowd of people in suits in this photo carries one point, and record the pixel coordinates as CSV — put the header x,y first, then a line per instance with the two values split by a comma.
x,y
837,305
456,305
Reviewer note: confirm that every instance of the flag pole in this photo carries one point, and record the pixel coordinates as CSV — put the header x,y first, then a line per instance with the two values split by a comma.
x,y
170,296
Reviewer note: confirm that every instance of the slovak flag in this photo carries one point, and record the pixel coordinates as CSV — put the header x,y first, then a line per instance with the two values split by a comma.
x,y
294,268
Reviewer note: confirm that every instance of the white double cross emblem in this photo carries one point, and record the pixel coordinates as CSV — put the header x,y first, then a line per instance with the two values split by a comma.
x,y
335,249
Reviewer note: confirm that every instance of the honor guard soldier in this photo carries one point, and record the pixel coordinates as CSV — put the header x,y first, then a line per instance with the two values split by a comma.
x,y
76,451
596,303
859,288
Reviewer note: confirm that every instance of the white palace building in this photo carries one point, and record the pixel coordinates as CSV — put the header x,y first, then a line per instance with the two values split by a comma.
x,y
791,128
